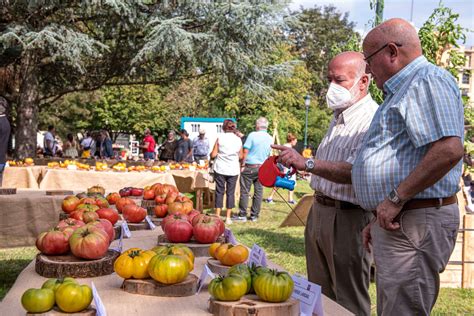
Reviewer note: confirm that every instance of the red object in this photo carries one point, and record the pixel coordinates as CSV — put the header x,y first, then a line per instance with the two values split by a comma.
x,y
178,230
171,217
269,171
107,226
206,231
192,214
89,242
109,214
53,242
161,210
151,143
70,222
133,213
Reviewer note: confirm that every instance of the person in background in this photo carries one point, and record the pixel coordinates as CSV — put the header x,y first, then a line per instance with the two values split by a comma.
x,y
104,146
227,152
201,146
70,147
148,145
168,147
256,151
5,130
290,142
184,148
86,145
49,143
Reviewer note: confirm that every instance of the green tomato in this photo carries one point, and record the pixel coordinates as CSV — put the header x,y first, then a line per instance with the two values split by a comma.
x,y
53,284
37,300
273,286
244,271
72,297
229,288
254,271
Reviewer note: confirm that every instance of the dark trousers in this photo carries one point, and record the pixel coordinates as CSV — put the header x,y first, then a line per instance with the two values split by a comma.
x,y
248,177
225,184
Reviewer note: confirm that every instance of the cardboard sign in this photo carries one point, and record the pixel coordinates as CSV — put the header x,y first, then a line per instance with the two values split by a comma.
x,y
150,223
120,243
309,295
206,273
99,306
229,236
257,256
126,230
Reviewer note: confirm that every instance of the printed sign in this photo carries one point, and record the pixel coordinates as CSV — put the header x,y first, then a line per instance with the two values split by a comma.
x,y
309,295
229,236
126,230
150,223
206,273
120,243
99,306
257,256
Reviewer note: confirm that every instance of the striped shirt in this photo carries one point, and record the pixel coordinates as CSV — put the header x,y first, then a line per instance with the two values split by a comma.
x,y
422,105
341,143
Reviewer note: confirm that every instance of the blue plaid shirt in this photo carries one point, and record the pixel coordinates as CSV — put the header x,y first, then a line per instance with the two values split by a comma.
x,y
422,105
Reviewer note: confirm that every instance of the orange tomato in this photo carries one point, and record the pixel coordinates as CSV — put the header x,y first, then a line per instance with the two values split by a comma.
x,y
230,255
212,249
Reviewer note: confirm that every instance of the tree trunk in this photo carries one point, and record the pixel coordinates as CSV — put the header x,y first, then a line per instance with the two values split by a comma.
x,y
27,110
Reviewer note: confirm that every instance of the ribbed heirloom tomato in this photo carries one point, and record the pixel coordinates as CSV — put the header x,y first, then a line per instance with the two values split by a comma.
x,y
89,242
244,271
176,249
273,286
53,242
229,288
38,300
72,297
169,269
54,284
133,263
133,213
230,255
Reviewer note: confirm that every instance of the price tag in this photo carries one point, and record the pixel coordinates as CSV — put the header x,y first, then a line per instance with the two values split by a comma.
x,y
120,243
126,230
309,295
257,256
206,272
99,306
150,223
229,236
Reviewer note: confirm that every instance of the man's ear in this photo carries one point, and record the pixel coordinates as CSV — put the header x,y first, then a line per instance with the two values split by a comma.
x,y
364,82
394,52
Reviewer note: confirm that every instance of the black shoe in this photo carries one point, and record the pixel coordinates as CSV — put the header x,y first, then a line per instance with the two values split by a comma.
x,y
253,219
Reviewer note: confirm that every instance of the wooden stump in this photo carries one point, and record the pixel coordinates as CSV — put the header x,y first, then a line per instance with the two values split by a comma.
x,y
138,226
252,305
149,205
7,191
217,267
59,192
199,250
90,311
153,288
71,266
156,220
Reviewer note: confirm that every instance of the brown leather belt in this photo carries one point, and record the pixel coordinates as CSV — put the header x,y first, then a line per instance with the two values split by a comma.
x,y
252,166
327,201
424,203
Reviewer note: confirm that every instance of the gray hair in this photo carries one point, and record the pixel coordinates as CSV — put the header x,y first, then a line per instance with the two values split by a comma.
x,y
262,123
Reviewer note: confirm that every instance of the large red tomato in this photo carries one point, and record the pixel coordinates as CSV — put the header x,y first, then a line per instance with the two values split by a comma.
x,y
101,202
70,222
89,242
171,217
134,213
219,221
78,215
90,216
192,214
161,210
106,226
70,203
53,242
120,204
109,214
112,198
159,199
171,197
206,231
148,194
184,207
178,230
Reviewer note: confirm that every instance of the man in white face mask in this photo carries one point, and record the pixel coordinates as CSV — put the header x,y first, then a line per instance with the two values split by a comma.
x,y
335,257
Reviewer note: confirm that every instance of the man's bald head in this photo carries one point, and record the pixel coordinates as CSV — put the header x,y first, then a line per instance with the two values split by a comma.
x,y
352,61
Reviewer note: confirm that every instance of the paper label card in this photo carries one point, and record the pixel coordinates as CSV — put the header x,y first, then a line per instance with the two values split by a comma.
x,y
126,230
150,223
309,295
206,273
257,256
229,236
99,306
120,243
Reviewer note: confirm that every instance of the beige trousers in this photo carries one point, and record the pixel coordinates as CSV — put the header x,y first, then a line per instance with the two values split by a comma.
x,y
335,258
408,261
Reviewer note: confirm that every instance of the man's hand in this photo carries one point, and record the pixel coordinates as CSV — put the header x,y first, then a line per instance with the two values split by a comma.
x,y
290,157
366,237
386,213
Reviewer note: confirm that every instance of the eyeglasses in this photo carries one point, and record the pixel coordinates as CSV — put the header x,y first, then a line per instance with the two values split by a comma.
x,y
379,50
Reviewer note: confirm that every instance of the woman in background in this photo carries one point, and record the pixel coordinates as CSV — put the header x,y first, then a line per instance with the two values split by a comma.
x,y
70,147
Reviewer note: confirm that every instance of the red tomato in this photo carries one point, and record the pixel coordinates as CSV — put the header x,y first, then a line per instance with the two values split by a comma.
x,y
70,203
161,210
178,230
53,242
134,213
160,199
89,242
171,217
101,202
106,226
90,216
120,204
206,231
70,222
148,194
109,214
193,214
112,198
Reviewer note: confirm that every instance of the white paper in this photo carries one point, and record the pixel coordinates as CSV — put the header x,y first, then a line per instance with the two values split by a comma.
x,y
126,229
257,256
99,306
229,236
120,243
309,296
150,223
206,273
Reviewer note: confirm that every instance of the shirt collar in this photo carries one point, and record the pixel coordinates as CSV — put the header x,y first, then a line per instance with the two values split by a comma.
x,y
351,112
393,84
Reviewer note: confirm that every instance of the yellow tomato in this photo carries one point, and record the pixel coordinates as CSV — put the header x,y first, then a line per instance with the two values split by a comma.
x,y
133,263
213,248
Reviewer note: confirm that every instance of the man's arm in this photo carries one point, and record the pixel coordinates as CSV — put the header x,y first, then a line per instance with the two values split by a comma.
x,y
337,171
442,156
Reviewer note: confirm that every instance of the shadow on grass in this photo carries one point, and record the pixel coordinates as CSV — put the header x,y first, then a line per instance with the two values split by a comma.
x,y
9,271
274,241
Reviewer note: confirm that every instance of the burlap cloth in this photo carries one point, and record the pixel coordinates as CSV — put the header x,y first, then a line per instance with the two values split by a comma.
x,y
26,214
189,181
118,302
79,180
23,177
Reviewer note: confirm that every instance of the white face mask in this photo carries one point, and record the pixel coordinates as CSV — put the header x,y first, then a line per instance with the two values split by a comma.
x,y
339,97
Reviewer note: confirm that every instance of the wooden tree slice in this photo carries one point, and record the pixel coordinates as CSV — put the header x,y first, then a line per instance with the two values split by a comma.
x,y
90,311
151,287
148,203
252,305
59,192
138,226
71,266
7,191
63,215
217,267
199,250
118,231
156,220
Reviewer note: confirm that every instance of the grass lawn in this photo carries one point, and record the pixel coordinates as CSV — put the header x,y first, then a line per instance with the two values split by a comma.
x,y
284,246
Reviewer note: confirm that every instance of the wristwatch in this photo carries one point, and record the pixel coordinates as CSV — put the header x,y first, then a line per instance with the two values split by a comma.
x,y
395,198
309,165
